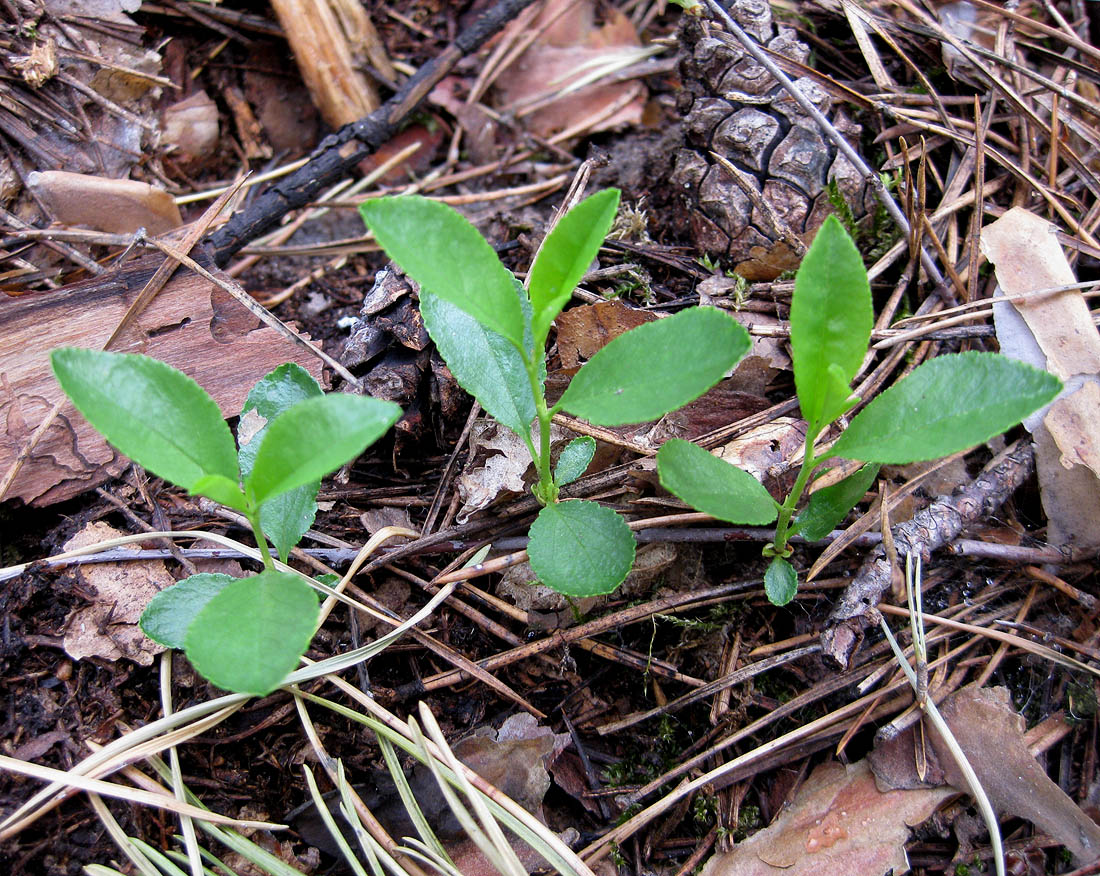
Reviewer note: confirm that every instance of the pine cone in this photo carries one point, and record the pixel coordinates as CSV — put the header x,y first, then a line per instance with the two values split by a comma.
x,y
734,107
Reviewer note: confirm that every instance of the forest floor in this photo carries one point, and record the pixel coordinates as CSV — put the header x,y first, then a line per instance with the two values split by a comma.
x,y
594,715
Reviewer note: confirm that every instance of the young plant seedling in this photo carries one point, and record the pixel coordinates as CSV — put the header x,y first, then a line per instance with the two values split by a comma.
x,y
242,634
492,333
945,405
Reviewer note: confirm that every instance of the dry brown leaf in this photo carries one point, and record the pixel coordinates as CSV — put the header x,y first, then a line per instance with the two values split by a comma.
x,y
108,627
1027,256
721,405
839,824
191,126
564,53
498,462
1057,333
761,450
991,734
584,330
120,206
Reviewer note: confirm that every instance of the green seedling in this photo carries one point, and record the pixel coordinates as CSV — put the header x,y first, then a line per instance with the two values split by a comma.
x,y
492,332
946,405
243,634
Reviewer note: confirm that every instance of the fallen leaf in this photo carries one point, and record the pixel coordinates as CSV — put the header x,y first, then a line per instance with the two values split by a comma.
x,y
282,103
1053,332
428,137
838,824
108,627
120,206
763,451
479,127
1027,256
514,759
191,126
717,407
583,331
499,459
991,734
569,48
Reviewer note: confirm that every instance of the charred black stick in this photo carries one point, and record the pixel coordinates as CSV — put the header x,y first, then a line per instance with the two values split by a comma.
x,y
340,152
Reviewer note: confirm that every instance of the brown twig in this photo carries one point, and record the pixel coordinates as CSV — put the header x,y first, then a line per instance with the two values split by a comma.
x,y
929,530
340,152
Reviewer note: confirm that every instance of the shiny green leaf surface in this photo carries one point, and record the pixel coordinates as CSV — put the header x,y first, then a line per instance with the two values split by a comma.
x,y
250,636
566,254
780,581
712,485
485,364
315,437
831,319
284,518
655,368
169,613
154,414
946,405
830,505
574,459
445,254
580,549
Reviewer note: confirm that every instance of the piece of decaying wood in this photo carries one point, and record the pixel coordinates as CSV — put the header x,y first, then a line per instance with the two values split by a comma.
x,y
192,324
326,36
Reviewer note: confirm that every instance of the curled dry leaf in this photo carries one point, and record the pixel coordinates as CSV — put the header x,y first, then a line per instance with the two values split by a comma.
x,y
498,462
40,65
839,824
766,450
1056,332
108,627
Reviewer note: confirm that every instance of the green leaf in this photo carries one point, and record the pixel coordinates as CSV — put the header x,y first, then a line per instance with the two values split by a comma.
x,y
712,485
446,255
579,548
314,438
154,414
831,319
655,368
780,581
249,637
574,459
169,613
828,506
566,254
948,404
220,489
273,394
284,518
485,364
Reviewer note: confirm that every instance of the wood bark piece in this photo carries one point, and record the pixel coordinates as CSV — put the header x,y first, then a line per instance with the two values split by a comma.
x,y
326,36
929,530
340,152
192,324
